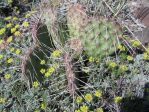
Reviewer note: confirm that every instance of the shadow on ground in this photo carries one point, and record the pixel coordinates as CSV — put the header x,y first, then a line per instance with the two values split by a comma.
x,y
136,104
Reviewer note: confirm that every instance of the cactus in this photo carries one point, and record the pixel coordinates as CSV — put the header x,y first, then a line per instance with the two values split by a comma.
x,y
98,36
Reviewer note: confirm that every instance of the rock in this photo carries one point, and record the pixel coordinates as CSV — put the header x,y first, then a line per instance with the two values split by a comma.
x,y
143,36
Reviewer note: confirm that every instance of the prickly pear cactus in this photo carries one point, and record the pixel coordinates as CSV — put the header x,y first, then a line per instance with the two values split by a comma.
x,y
98,36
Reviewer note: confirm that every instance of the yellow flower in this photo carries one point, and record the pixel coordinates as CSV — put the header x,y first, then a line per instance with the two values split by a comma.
x,y
18,51
79,99
112,64
129,58
123,68
17,33
78,110
146,56
56,53
35,84
17,26
7,76
42,62
9,25
7,18
98,93
12,49
47,74
118,99
136,43
2,100
1,56
51,69
9,39
88,97
10,60
2,31
42,71
99,110
27,15
91,59
15,19
43,106
1,41
84,108
121,48
25,24
13,30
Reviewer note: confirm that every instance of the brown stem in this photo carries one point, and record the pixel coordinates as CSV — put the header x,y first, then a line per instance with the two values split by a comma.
x,y
69,73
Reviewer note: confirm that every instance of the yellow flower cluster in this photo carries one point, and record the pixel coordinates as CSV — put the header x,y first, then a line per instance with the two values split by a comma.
x,y
9,39
2,31
129,58
18,51
118,99
78,110
35,84
79,99
17,26
42,62
2,100
42,71
56,53
112,65
43,106
88,97
98,93
12,49
7,76
10,60
84,108
7,18
17,33
146,56
9,25
121,47
25,24
136,43
50,71
13,30
99,110
91,59
15,19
